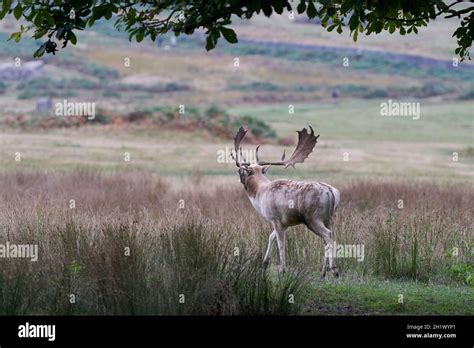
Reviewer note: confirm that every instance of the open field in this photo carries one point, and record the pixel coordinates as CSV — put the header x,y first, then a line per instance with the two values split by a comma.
x,y
207,244
376,146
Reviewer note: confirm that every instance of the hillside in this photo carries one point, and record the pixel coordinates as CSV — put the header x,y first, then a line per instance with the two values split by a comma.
x,y
298,65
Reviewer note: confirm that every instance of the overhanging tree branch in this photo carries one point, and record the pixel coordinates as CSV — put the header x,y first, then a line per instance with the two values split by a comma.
x,y
52,18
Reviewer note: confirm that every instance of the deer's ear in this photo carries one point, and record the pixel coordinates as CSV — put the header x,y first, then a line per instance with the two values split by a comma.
x,y
265,169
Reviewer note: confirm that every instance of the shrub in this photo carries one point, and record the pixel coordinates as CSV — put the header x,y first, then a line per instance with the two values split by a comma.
x,y
430,90
99,71
3,87
258,86
158,88
376,93
108,93
102,117
463,272
469,95
259,127
47,87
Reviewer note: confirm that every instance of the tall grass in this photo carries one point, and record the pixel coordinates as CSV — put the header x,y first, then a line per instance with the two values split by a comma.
x,y
135,245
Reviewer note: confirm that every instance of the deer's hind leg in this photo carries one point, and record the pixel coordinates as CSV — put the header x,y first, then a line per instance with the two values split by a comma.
x,y
319,228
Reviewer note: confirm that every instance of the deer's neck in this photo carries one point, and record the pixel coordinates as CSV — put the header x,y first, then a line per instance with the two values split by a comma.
x,y
255,183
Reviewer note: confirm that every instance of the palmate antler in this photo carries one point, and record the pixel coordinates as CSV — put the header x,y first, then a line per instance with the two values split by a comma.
x,y
237,139
306,143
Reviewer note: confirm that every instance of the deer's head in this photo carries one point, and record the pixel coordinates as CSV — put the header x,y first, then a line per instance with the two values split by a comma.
x,y
306,142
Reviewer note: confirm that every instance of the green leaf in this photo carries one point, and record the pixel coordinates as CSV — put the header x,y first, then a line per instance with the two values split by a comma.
x,y
99,11
49,19
391,27
15,36
331,27
72,37
210,43
108,14
18,11
229,35
39,33
5,8
354,22
311,11
355,34
278,6
40,51
211,39
301,7
140,35
267,9
59,33
38,19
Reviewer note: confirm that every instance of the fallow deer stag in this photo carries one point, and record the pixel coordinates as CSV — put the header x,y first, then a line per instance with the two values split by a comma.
x,y
286,203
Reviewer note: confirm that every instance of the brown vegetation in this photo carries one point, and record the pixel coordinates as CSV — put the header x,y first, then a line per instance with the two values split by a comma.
x,y
205,242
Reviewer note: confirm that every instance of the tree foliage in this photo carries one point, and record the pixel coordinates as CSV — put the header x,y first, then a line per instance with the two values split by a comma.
x,y
57,21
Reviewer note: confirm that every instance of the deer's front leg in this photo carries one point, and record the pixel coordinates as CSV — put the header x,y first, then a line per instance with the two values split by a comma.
x,y
268,254
281,237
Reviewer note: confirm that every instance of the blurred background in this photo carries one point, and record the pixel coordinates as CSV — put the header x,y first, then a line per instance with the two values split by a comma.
x,y
173,106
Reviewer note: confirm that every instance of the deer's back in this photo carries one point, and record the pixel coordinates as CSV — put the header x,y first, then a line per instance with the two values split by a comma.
x,y
293,202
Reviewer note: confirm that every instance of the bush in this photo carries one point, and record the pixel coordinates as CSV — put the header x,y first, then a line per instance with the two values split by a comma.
x,y
258,86
101,72
108,93
3,87
35,93
158,88
214,111
461,271
102,118
430,90
43,87
469,95
376,93
259,128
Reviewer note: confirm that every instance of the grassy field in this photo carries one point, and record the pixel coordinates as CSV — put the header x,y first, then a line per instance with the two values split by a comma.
x,y
376,146
206,244
208,253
